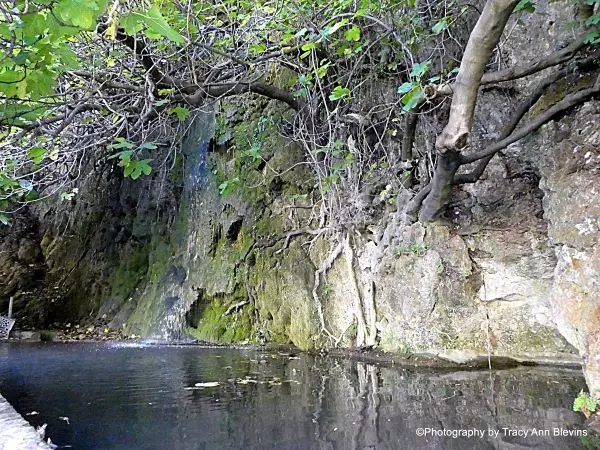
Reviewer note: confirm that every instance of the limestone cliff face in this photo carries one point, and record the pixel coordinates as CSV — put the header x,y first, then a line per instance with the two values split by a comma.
x,y
514,270
568,155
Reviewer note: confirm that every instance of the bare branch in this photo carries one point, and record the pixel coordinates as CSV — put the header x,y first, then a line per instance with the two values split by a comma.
x,y
524,70
566,103
235,88
519,113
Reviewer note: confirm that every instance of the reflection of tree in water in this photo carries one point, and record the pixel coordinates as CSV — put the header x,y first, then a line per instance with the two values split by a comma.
x,y
362,405
139,396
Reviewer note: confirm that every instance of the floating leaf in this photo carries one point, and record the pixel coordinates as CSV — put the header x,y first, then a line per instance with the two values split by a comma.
x,y
207,384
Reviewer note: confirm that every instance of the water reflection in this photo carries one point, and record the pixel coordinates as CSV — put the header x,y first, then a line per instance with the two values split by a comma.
x,y
145,397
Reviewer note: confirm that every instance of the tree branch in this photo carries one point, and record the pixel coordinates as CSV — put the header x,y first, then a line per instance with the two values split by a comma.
x,y
410,128
518,114
482,41
240,87
456,134
520,71
568,102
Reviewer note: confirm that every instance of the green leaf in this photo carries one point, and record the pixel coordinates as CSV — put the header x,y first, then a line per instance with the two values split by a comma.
x,y
300,93
405,87
328,31
26,184
353,34
128,170
4,219
68,196
36,154
593,37
181,113
124,157
593,20
339,93
149,146
144,166
440,26
121,143
525,6
131,23
228,186
155,21
257,49
419,69
412,99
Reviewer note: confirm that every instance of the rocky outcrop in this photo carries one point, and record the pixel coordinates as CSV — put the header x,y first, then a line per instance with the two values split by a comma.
x,y
567,154
223,247
22,268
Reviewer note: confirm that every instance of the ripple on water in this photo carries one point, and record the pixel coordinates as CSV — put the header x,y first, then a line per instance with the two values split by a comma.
x,y
142,395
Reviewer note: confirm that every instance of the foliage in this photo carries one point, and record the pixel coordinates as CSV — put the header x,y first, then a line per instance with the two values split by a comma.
x,y
415,248
79,78
585,403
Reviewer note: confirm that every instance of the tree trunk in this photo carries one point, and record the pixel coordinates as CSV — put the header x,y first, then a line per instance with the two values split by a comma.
x,y
456,135
445,169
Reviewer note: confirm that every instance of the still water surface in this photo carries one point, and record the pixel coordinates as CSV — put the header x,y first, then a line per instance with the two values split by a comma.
x,y
144,397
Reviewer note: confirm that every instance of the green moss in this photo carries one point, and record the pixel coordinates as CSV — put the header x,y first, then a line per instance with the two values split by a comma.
x,y
283,285
475,342
560,90
214,326
540,339
131,270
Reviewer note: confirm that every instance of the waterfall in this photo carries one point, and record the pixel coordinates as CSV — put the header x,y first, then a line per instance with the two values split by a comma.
x,y
200,198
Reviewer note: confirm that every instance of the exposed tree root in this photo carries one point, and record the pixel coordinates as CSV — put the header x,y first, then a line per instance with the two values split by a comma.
x,y
333,255
235,307
362,332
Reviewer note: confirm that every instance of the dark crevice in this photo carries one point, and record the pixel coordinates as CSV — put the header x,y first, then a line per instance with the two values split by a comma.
x,y
234,229
194,314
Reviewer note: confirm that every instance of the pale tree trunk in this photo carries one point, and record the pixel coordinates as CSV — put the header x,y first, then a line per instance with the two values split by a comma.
x,y
456,135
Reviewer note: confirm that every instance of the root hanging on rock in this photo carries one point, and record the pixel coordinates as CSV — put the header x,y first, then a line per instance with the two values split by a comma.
x,y
333,255
362,334
235,307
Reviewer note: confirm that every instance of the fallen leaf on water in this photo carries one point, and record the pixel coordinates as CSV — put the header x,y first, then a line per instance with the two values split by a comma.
x,y
66,419
207,384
